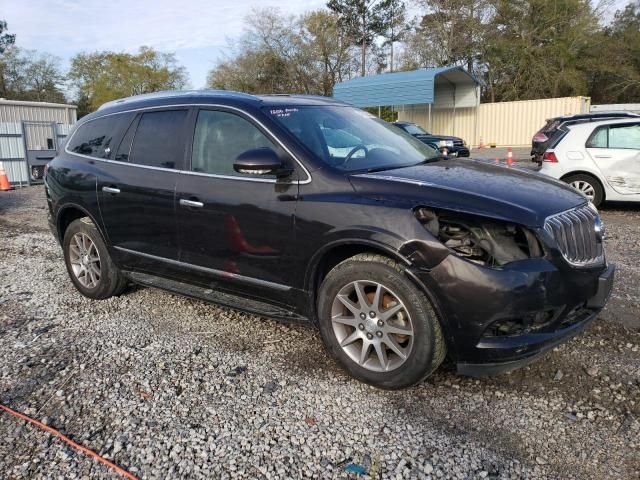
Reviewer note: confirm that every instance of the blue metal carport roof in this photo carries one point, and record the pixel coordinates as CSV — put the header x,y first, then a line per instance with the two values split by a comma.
x,y
399,88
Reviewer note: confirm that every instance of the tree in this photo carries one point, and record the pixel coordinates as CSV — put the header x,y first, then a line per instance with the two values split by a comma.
x,y
361,21
538,48
104,76
449,32
6,39
30,75
394,22
327,48
284,54
618,78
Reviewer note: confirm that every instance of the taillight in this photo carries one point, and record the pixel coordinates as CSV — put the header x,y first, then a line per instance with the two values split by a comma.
x,y
549,156
540,137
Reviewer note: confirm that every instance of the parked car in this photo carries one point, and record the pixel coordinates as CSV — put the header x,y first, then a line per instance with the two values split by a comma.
x,y
397,255
600,159
455,146
555,128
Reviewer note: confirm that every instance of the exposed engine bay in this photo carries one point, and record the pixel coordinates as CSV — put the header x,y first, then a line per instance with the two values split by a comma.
x,y
484,241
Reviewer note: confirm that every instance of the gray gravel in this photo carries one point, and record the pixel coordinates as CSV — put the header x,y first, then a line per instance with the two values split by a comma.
x,y
170,387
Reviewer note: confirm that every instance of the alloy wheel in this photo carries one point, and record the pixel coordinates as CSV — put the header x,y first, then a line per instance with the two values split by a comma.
x,y
584,187
85,260
372,325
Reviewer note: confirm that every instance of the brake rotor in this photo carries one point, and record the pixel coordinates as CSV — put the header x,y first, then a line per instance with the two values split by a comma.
x,y
399,319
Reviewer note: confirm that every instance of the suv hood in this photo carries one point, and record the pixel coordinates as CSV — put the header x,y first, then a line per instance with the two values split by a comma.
x,y
475,187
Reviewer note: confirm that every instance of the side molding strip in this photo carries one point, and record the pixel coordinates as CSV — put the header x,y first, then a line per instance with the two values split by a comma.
x,y
217,273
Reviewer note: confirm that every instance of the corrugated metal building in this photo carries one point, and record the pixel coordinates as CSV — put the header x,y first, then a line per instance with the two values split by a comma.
x,y
29,136
446,101
505,124
447,90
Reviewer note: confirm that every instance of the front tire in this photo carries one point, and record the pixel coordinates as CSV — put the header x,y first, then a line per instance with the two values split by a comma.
x,y
588,185
88,263
377,324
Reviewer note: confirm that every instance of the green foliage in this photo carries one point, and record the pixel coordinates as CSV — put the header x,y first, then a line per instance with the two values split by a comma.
x,y
104,76
537,49
615,59
32,76
385,113
6,39
361,21
393,14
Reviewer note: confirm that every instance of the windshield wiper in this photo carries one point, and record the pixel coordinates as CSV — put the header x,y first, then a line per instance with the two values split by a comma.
x,y
437,158
387,167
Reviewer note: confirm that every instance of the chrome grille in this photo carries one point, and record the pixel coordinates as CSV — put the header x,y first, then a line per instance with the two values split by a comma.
x,y
578,234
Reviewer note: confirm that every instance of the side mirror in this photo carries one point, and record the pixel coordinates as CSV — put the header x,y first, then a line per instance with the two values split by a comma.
x,y
258,161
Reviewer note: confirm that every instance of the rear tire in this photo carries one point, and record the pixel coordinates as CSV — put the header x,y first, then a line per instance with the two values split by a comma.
x,y
377,324
88,263
588,185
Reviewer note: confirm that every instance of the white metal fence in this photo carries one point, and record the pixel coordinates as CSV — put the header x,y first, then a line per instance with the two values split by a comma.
x,y
508,124
13,157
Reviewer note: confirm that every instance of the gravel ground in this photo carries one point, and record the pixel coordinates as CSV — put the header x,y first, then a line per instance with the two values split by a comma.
x,y
171,387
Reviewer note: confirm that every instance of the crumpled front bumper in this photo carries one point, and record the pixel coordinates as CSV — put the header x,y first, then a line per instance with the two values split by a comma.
x,y
552,303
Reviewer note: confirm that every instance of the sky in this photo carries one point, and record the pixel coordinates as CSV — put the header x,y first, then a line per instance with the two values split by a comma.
x,y
195,30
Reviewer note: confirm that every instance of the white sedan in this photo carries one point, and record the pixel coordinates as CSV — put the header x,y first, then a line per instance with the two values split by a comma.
x,y
600,159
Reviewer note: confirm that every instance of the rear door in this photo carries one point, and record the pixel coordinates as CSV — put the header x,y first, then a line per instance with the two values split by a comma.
x,y
615,149
136,189
235,230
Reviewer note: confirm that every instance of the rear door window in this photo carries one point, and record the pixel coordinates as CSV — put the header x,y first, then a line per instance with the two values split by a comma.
x,y
624,136
97,138
159,139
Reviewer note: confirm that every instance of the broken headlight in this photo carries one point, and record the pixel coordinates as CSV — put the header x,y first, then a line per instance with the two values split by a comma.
x,y
480,240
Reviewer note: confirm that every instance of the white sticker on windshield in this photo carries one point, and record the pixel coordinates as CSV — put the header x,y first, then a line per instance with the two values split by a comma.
x,y
283,112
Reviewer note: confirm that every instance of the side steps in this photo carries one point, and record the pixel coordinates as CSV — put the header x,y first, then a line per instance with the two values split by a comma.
x,y
221,298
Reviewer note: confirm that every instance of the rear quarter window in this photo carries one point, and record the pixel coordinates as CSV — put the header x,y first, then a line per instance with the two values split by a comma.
x,y
98,138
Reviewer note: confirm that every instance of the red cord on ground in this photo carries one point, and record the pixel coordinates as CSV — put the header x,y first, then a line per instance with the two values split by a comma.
x,y
66,439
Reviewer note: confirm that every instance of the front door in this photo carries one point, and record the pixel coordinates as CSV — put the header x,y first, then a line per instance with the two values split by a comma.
x,y
616,151
235,229
136,190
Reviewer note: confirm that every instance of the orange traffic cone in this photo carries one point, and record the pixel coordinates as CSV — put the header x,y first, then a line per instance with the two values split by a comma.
x,y
4,181
509,156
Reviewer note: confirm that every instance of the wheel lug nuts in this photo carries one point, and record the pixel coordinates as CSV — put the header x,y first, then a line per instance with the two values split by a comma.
x,y
361,327
379,333
372,314
369,336
363,316
380,323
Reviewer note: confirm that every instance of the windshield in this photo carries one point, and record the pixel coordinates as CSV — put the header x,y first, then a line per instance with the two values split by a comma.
x,y
350,139
414,129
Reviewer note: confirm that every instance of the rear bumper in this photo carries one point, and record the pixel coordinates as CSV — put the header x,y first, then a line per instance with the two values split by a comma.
x,y
546,304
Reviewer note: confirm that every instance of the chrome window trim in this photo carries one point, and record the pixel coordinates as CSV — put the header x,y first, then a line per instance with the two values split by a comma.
x,y
189,172
212,271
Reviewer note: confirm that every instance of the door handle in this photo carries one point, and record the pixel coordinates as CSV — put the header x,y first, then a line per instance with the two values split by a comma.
x,y
190,203
603,156
112,190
